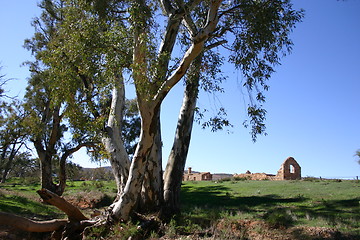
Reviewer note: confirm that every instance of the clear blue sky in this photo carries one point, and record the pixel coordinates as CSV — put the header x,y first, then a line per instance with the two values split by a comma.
x,y
313,102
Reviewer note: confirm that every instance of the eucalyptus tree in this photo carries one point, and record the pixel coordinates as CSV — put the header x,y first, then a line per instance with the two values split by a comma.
x,y
46,122
13,139
98,44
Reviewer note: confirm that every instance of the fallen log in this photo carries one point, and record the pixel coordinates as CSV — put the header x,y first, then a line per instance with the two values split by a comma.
x,y
73,213
28,225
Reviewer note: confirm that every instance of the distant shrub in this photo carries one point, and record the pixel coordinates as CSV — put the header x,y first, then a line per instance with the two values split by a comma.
x,y
104,201
311,179
279,218
29,181
241,178
228,179
98,184
336,180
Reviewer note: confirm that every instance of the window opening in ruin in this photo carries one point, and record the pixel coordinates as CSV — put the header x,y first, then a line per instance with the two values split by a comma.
x,y
292,169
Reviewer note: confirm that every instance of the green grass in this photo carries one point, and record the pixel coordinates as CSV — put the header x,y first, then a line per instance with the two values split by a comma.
x,y
280,203
27,207
106,187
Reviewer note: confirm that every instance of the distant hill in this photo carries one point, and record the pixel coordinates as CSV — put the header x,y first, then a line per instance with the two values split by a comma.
x,y
108,168
219,176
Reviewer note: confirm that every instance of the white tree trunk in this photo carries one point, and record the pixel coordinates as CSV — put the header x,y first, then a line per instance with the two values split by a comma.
x,y
130,196
112,140
152,188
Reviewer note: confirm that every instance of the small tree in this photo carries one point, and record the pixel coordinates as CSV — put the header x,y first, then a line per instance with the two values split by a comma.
x,y
13,139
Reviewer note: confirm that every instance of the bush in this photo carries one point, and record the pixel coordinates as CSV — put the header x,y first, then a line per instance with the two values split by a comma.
x,y
104,201
311,179
279,218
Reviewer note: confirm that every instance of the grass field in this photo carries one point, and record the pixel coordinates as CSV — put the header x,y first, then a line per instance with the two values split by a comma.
x,y
315,204
281,203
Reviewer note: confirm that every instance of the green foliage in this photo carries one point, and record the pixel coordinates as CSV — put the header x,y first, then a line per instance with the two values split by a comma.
x,y
15,158
85,44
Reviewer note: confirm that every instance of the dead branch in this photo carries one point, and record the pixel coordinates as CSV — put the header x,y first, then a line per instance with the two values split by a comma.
x,y
28,225
71,211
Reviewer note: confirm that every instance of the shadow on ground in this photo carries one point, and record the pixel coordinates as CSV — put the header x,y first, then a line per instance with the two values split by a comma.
x,y
206,204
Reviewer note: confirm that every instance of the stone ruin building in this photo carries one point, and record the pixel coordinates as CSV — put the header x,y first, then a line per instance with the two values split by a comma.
x,y
289,170
196,176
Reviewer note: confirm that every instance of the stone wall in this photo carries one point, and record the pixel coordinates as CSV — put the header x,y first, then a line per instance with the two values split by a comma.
x,y
289,170
255,176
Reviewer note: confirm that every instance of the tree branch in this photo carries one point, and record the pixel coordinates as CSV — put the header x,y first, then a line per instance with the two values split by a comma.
x,y
30,225
193,51
166,6
73,212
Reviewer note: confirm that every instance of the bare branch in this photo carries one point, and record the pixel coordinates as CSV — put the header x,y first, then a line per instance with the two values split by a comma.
x,y
166,6
214,45
73,212
30,225
193,51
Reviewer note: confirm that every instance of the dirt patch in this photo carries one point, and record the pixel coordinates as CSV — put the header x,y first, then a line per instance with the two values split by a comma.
x,y
259,230
8,233
90,200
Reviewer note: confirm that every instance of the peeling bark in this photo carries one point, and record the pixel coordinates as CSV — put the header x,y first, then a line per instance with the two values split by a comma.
x,y
152,188
112,140
130,196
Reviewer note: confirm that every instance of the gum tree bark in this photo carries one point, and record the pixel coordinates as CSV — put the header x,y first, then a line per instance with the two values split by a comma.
x,y
112,140
149,105
176,163
152,189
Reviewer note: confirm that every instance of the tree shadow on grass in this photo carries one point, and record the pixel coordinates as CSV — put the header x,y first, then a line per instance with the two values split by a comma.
x,y
221,196
210,201
25,207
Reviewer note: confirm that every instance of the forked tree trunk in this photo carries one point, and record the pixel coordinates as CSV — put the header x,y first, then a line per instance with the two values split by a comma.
x,y
112,140
46,173
130,196
47,151
175,166
149,100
